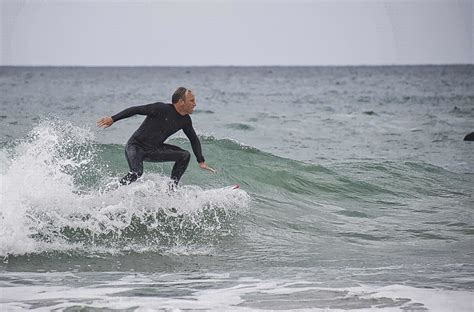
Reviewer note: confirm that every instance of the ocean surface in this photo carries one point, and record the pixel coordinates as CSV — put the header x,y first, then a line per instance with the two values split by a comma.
x,y
356,191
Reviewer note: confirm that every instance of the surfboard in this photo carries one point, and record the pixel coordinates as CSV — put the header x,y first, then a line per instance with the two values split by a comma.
x,y
223,189
231,187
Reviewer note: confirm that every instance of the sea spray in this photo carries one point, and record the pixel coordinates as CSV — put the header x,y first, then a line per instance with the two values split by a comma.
x,y
38,182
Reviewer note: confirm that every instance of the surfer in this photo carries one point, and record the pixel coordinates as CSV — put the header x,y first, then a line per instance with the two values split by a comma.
x,y
162,121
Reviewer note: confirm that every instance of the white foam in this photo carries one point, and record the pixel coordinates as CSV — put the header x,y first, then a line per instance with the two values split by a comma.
x,y
434,299
220,292
33,180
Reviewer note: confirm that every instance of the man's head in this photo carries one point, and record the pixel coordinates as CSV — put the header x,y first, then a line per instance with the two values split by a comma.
x,y
184,101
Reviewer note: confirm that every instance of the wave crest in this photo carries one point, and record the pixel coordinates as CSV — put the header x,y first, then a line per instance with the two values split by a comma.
x,y
57,196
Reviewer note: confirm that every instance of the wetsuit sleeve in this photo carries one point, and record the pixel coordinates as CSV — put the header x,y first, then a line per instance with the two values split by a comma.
x,y
149,110
195,143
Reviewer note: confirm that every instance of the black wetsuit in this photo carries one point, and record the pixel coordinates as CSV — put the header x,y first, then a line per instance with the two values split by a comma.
x,y
147,143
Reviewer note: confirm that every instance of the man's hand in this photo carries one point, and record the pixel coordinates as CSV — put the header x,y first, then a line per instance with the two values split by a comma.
x,y
203,165
105,122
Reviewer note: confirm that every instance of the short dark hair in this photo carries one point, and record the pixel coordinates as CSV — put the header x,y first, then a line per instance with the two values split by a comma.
x,y
179,94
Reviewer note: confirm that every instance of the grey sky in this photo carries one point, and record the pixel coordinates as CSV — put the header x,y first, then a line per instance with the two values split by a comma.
x,y
194,32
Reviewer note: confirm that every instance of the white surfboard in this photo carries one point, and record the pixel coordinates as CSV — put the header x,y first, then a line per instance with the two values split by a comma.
x,y
224,189
231,187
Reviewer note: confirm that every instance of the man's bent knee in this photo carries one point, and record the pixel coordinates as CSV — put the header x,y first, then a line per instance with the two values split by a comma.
x,y
186,156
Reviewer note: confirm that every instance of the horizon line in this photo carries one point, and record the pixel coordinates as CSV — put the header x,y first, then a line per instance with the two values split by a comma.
x,y
286,65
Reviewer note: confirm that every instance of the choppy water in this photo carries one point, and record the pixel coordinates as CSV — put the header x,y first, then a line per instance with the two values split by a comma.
x,y
356,191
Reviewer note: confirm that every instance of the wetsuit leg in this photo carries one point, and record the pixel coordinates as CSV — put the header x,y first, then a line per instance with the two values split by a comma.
x,y
167,152
134,155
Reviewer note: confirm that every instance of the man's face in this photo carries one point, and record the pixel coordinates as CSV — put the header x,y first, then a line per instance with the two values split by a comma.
x,y
189,102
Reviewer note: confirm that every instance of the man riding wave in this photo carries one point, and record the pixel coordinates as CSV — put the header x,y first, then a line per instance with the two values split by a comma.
x,y
162,121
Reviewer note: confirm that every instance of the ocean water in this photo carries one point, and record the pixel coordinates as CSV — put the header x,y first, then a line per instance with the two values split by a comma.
x,y
356,191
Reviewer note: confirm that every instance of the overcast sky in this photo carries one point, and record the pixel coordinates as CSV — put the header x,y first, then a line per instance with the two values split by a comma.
x,y
232,32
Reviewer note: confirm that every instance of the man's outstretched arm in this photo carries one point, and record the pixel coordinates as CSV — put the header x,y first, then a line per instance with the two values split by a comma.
x,y
149,109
